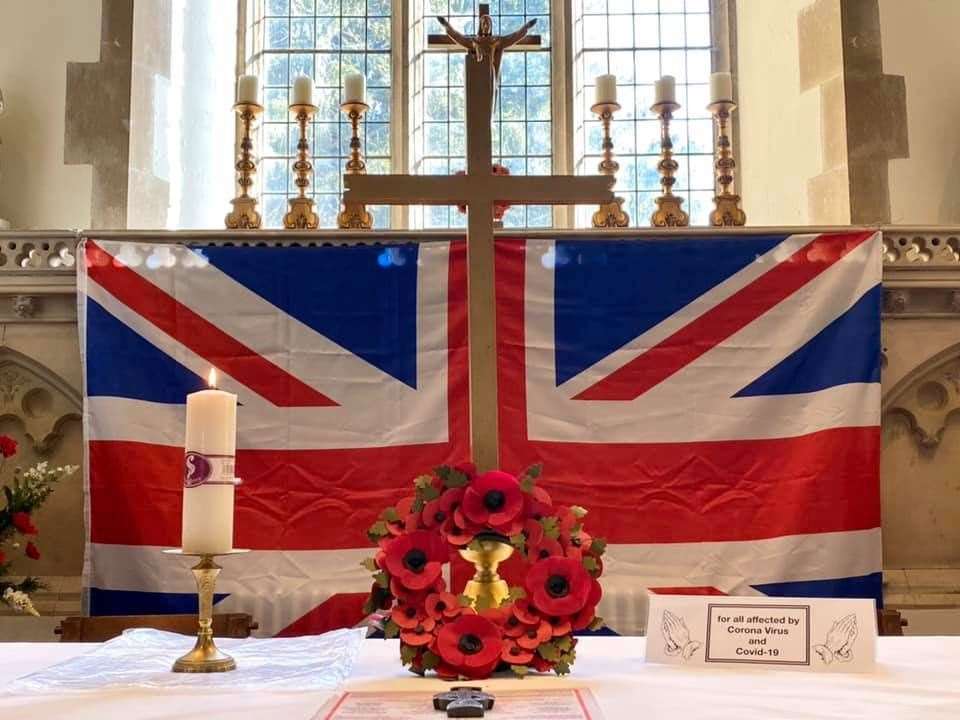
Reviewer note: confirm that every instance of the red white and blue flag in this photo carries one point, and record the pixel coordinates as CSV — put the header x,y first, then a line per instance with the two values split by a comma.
x,y
714,402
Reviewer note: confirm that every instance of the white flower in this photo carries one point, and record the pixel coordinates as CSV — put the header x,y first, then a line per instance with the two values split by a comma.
x,y
19,601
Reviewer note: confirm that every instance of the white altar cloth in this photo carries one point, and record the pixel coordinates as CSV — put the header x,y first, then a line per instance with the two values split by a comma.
x,y
916,677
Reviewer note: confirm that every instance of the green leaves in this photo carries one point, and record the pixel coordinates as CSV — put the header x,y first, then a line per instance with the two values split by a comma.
x,y
519,541
407,653
598,546
529,476
520,670
390,515
565,643
549,651
425,491
391,629
377,530
370,564
578,512
551,528
430,661
382,579
451,477
590,564
596,624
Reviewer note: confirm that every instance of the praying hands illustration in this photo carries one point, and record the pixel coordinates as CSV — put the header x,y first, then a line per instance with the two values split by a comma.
x,y
839,643
677,636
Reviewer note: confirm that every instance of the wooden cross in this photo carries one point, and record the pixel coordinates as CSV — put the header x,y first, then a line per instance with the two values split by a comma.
x,y
479,189
463,701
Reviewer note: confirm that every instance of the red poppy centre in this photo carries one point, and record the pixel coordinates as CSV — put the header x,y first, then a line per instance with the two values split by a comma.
x,y
494,500
415,560
470,644
558,586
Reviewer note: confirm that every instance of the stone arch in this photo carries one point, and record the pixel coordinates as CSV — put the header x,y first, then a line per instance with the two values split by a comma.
x,y
928,397
36,397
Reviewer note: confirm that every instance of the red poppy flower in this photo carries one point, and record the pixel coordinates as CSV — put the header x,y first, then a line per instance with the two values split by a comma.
x,y
596,592
408,520
32,552
583,618
525,612
442,605
514,654
546,547
456,534
415,560
419,635
533,531
468,469
513,627
493,500
470,642
558,586
559,625
539,503
534,637
407,616
8,446
23,523
436,512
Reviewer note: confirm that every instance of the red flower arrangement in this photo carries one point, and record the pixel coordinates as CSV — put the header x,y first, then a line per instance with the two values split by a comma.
x,y
450,509
499,208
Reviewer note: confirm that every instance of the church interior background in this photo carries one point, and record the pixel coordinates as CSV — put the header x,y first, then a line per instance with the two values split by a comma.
x,y
847,115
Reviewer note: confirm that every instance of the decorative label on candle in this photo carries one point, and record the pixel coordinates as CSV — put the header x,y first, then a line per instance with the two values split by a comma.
x,y
200,469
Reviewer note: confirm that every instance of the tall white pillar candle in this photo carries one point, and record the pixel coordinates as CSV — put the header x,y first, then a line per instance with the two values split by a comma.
x,y
248,89
721,87
606,89
208,477
354,88
665,90
302,90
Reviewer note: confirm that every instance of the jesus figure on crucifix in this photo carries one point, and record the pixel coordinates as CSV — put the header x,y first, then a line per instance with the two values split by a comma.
x,y
485,43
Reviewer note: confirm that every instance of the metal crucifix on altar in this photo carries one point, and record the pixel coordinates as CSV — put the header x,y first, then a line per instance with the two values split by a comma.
x,y
479,189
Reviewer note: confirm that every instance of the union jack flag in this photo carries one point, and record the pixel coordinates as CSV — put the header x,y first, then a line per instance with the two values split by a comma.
x,y
714,403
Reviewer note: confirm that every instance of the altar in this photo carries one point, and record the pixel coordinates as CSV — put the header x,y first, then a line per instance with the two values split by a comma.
x,y
915,679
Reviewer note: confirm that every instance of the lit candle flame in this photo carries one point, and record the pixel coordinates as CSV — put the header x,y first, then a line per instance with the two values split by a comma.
x,y
212,378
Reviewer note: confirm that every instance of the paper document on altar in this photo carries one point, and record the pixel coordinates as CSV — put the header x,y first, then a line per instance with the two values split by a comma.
x,y
564,704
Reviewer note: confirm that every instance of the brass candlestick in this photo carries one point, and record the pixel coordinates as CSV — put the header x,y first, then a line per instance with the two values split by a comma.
x,y
609,214
354,215
487,588
727,211
205,657
669,212
302,215
244,215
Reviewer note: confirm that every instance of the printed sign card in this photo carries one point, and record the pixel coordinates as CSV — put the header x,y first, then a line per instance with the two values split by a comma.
x,y
819,634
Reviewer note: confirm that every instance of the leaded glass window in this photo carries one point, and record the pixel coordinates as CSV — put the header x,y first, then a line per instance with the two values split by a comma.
x,y
522,128
639,41
324,39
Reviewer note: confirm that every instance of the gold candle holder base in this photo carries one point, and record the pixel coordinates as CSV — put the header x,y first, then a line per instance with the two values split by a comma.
x,y
609,214
487,588
301,215
355,215
669,212
205,657
727,211
244,215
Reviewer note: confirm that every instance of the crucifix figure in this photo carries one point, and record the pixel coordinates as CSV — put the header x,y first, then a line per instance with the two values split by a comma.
x,y
479,189
463,701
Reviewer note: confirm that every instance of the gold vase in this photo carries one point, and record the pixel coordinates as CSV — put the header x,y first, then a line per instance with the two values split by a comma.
x,y
487,588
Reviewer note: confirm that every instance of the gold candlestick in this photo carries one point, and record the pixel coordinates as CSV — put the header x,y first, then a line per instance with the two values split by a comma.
x,y
669,212
302,215
487,589
609,214
354,215
205,657
244,215
727,211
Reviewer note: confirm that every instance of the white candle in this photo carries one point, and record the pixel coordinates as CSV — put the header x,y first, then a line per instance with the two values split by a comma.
x,y
208,478
665,90
606,89
302,90
354,88
248,89
721,87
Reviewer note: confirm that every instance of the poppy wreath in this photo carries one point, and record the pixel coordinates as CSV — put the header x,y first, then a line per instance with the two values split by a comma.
x,y
453,508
